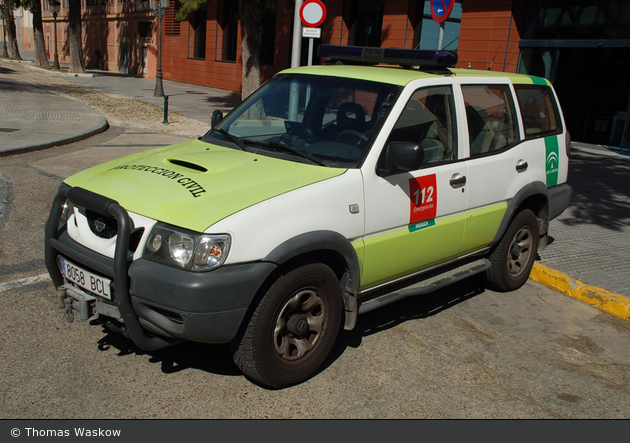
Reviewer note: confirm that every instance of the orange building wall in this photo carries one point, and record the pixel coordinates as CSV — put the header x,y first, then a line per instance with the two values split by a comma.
x,y
488,28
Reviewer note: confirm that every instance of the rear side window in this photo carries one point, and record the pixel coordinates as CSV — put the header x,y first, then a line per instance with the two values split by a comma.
x,y
539,110
491,116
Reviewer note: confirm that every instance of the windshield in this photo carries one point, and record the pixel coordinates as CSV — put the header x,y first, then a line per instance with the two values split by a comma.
x,y
315,119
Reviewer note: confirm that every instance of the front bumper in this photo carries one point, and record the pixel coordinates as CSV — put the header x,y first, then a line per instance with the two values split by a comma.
x,y
152,304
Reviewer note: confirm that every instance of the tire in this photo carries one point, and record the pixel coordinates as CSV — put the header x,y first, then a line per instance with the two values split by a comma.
x,y
293,329
513,258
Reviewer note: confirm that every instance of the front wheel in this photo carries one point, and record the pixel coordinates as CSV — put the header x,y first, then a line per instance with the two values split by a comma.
x,y
293,329
514,256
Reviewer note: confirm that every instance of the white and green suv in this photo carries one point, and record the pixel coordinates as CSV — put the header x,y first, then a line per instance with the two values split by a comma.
x,y
309,202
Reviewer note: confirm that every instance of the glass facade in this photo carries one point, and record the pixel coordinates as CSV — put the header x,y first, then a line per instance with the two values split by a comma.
x,y
583,47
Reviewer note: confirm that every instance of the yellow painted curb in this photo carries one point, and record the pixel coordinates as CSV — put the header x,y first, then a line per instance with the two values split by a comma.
x,y
614,304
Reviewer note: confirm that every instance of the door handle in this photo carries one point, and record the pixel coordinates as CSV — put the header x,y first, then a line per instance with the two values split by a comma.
x,y
521,166
458,180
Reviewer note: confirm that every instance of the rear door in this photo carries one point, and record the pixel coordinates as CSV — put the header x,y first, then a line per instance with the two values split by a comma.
x,y
498,162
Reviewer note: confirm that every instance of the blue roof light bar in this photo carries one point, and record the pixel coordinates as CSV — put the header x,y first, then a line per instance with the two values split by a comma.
x,y
394,56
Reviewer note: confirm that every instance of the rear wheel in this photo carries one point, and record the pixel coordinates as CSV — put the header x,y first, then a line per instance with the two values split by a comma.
x,y
293,328
514,256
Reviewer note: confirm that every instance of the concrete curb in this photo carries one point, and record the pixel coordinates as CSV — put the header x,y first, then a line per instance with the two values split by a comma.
x,y
102,127
607,301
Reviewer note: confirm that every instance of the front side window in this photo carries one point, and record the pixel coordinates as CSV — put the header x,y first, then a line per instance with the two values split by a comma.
x,y
429,121
539,110
319,119
491,117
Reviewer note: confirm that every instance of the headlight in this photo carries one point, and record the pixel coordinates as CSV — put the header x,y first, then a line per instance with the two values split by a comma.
x,y
67,211
185,249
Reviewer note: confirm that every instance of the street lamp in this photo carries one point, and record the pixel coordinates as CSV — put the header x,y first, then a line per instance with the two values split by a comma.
x,y
54,7
159,7
4,31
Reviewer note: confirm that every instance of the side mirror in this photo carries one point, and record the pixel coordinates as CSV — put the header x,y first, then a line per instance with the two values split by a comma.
x,y
403,157
217,116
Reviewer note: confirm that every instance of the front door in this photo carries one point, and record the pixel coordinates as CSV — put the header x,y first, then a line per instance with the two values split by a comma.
x,y
416,219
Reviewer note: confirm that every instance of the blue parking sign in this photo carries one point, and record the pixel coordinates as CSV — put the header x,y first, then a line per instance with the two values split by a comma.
x,y
441,9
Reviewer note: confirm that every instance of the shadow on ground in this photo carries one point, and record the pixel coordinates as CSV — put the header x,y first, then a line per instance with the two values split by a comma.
x,y
216,359
601,195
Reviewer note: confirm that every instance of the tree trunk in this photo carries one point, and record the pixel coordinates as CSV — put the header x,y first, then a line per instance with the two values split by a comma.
x,y
76,41
12,45
251,13
38,29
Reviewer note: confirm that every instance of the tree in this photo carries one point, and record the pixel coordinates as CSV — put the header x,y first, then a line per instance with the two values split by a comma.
x,y
38,30
251,13
76,41
7,8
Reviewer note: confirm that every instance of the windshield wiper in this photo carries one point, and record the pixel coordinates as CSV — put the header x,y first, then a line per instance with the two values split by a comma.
x,y
237,141
287,148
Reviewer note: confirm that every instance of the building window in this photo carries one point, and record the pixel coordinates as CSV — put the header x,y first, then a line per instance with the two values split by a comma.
x,y
268,41
171,26
366,25
145,29
427,31
197,35
227,30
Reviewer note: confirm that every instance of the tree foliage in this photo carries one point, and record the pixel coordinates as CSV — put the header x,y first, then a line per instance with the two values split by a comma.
x,y
190,6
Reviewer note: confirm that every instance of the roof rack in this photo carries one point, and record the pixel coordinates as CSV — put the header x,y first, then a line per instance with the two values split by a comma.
x,y
359,55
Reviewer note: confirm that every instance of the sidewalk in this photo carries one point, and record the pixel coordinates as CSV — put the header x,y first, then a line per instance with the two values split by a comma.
x,y
33,118
586,260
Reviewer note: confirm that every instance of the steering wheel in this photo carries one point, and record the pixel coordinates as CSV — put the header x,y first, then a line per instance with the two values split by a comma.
x,y
351,137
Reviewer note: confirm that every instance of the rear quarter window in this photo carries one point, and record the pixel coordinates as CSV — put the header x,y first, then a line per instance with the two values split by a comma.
x,y
539,110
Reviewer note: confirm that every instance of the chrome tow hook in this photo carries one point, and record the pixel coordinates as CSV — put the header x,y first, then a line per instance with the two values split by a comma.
x,y
68,312
71,300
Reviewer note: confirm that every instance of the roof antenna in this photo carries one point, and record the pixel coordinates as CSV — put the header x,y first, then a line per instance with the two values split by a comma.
x,y
495,56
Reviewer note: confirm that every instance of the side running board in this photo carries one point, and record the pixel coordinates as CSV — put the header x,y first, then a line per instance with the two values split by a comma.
x,y
429,285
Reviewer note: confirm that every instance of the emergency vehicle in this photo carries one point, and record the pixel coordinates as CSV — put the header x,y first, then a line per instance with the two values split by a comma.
x,y
331,191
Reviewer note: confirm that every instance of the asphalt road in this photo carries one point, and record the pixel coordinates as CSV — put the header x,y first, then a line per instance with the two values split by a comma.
x,y
463,352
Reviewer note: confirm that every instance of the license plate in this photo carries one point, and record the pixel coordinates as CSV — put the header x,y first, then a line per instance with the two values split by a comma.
x,y
90,282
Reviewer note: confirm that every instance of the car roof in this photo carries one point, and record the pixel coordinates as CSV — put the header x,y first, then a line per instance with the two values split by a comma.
x,y
397,75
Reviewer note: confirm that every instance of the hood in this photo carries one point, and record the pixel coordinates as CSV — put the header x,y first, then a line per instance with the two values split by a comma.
x,y
195,184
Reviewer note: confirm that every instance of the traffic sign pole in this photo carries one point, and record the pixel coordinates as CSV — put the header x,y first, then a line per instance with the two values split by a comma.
x,y
296,49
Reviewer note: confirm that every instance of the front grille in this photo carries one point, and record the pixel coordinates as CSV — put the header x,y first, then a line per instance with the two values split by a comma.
x,y
101,226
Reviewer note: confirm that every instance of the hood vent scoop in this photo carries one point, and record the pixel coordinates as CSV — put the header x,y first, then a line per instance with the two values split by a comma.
x,y
189,165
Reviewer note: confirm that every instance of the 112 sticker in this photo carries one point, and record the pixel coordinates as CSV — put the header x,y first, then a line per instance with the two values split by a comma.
x,y
423,198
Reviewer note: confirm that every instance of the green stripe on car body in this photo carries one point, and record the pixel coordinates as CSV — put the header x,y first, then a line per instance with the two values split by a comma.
x,y
404,251
552,150
221,181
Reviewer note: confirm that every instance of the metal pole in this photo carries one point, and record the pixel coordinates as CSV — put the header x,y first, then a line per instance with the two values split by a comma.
x,y
159,89
310,51
56,59
296,51
165,109
441,37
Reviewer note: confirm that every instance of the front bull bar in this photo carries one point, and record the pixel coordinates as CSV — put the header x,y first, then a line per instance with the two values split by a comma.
x,y
120,282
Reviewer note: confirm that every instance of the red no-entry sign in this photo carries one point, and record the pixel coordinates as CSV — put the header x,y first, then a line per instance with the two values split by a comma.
x,y
312,13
